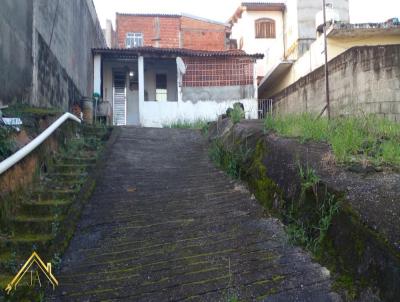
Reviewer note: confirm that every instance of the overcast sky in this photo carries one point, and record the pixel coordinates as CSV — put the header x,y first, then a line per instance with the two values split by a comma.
x,y
220,10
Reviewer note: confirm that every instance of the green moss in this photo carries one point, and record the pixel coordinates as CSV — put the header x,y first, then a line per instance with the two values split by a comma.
x,y
345,284
322,222
264,189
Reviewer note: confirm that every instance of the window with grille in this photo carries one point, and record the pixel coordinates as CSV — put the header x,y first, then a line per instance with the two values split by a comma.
x,y
134,40
265,28
161,87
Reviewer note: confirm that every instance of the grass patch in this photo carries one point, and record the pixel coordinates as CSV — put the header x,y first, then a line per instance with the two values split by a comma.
x,y
367,139
187,124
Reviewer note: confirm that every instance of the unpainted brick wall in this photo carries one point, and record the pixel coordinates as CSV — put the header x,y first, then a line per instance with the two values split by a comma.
x,y
174,32
169,30
363,79
198,34
228,71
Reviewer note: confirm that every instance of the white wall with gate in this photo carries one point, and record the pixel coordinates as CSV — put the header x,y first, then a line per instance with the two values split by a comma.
x,y
162,113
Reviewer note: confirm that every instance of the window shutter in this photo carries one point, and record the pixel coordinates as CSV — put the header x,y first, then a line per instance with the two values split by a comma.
x,y
265,28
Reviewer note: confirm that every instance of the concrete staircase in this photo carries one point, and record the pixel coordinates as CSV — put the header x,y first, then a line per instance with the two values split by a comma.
x,y
40,216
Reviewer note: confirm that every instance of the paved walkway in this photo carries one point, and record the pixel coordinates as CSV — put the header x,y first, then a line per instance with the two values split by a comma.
x,y
165,225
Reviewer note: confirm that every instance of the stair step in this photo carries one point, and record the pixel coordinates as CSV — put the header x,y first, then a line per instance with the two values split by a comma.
x,y
62,168
79,160
45,207
36,224
26,243
70,176
54,183
46,194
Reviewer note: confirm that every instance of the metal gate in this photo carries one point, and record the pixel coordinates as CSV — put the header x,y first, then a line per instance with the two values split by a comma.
x,y
119,98
264,108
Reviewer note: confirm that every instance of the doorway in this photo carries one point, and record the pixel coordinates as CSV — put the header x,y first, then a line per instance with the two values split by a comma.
x,y
119,98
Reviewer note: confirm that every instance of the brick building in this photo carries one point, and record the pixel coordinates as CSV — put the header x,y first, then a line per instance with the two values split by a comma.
x,y
162,68
169,31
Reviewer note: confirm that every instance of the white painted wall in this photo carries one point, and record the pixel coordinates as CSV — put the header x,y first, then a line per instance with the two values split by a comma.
x,y
273,49
97,74
157,114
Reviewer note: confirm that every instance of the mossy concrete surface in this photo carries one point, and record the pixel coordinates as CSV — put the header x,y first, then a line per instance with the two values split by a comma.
x,y
363,240
46,214
164,224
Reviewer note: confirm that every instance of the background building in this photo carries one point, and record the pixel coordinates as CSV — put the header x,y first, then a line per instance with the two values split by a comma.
x,y
167,31
282,31
258,27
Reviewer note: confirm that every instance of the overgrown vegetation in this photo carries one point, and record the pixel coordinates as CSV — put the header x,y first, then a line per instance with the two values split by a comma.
x,y
317,219
366,139
6,143
187,124
307,219
231,162
236,113
201,124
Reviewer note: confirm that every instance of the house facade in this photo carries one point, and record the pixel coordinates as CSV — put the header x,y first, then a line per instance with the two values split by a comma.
x,y
167,31
282,31
258,28
153,87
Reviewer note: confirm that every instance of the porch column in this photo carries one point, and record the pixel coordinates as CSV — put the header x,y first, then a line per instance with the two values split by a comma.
x,y
96,74
255,80
141,88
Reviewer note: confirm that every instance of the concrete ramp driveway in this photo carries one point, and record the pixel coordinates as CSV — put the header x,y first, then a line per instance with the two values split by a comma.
x,y
164,224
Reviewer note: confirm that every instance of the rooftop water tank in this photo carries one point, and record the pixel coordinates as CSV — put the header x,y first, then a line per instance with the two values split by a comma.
x,y
332,16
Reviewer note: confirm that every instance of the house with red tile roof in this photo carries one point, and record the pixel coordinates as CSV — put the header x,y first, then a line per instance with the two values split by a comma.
x,y
153,86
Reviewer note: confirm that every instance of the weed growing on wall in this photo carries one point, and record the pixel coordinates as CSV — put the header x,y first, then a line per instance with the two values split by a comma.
x,y
353,139
309,180
236,114
229,161
309,219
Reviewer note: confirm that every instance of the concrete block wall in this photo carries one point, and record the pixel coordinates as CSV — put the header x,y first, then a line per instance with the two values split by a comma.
x,y
363,79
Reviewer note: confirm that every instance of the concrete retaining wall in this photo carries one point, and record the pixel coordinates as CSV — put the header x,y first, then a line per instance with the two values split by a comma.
x,y
362,80
47,57
15,50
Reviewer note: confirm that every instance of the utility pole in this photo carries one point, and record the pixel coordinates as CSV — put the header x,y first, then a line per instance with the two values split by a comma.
x,y
328,107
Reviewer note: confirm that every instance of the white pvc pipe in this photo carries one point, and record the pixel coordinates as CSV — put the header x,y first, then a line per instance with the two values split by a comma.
x,y
21,153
